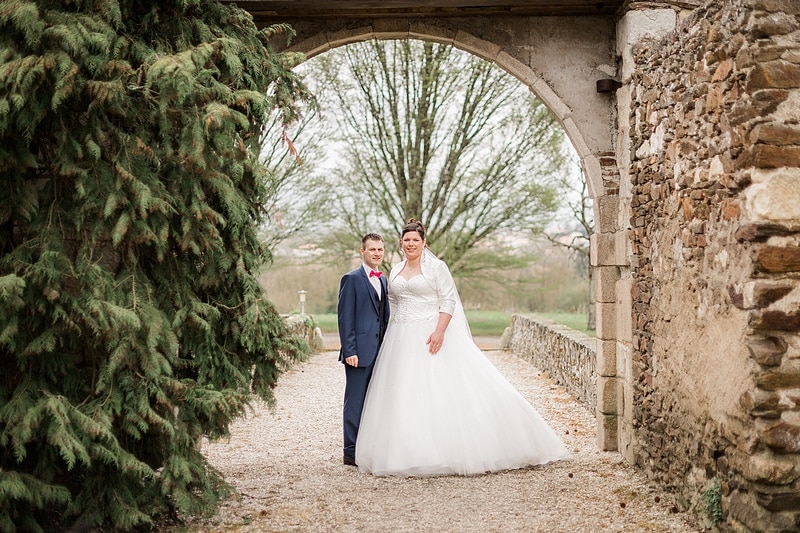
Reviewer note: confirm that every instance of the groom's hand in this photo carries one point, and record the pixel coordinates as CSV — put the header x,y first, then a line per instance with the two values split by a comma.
x,y
352,360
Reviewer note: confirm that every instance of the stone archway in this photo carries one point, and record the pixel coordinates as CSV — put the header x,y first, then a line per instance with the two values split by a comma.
x,y
566,83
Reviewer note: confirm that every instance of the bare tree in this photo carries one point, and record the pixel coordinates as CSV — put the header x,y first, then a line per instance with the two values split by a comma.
x,y
426,131
574,234
295,200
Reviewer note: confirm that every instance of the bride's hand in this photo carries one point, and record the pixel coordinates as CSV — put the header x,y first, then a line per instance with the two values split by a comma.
x,y
434,342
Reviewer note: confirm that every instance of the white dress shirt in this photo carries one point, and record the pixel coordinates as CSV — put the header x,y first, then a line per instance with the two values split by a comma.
x,y
375,280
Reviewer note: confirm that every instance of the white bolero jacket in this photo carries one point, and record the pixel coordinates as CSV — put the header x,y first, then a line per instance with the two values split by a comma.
x,y
437,274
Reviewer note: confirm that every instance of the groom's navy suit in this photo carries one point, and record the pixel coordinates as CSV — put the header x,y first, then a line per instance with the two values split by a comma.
x,y
362,322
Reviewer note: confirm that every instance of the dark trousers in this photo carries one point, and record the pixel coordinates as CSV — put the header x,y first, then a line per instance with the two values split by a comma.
x,y
355,390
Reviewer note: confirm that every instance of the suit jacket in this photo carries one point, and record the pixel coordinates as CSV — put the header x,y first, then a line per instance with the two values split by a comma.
x,y
361,326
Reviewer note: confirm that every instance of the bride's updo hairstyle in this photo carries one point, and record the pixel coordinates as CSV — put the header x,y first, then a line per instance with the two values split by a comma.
x,y
414,225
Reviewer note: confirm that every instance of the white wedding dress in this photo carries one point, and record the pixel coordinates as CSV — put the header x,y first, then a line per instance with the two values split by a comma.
x,y
449,413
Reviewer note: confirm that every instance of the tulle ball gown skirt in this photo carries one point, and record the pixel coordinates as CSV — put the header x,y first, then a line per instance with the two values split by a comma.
x,y
449,413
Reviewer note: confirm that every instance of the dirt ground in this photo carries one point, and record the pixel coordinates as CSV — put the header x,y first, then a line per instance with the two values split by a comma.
x,y
287,466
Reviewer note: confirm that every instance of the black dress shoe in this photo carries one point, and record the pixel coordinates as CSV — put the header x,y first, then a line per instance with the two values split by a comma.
x,y
349,460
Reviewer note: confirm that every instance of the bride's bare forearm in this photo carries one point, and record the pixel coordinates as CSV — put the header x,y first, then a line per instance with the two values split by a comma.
x,y
444,321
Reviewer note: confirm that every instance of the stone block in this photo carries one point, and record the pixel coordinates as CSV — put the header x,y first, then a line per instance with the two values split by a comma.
x,y
390,28
601,249
624,362
349,36
605,283
418,29
594,174
774,75
627,445
573,131
313,46
609,249
606,321
517,68
767,351
764,467
763,104
474,45
773,24
766,293
606,358
724,68
776,134
731,209
778,259
759,231
783,437
781,500
759,294
607,395
624,318
750,516
790,7
775,381
549,97
776,320
737,297
769,156
763,404
622,248
776,197
715,98
606,211
607,432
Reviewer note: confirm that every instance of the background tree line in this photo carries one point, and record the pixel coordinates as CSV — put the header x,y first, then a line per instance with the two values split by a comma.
x,y
555,281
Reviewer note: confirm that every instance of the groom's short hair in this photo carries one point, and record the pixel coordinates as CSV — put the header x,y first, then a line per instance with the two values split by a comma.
x,y
370,237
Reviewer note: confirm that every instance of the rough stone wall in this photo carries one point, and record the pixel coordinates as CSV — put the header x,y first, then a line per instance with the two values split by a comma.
x,y
715,242
566,355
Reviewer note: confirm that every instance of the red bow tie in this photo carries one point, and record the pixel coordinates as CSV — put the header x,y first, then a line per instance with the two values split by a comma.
x,y
375,274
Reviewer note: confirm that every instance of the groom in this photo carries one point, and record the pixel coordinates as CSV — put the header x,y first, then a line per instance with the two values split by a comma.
x,y
363,314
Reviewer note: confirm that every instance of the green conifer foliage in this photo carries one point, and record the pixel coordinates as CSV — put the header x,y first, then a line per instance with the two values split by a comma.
x,y
131,321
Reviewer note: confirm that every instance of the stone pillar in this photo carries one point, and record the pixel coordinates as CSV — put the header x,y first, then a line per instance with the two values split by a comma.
x,y
605,279
608,260
633,27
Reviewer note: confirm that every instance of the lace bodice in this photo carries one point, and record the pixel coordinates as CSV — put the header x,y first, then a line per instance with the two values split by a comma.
x,y
412,300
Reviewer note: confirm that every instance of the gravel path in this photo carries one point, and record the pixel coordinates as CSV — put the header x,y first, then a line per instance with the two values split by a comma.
x,y
287,466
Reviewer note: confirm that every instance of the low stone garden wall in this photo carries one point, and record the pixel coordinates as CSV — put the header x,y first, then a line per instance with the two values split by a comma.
x,y
566,355
302,326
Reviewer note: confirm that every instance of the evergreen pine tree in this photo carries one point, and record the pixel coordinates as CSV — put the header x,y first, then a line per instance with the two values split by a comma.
x,y
131,321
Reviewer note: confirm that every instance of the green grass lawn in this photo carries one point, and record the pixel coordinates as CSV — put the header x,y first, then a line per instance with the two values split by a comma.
x,y
482,323
576,321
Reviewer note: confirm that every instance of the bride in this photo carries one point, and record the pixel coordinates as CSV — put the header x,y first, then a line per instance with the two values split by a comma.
x,y
436,404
